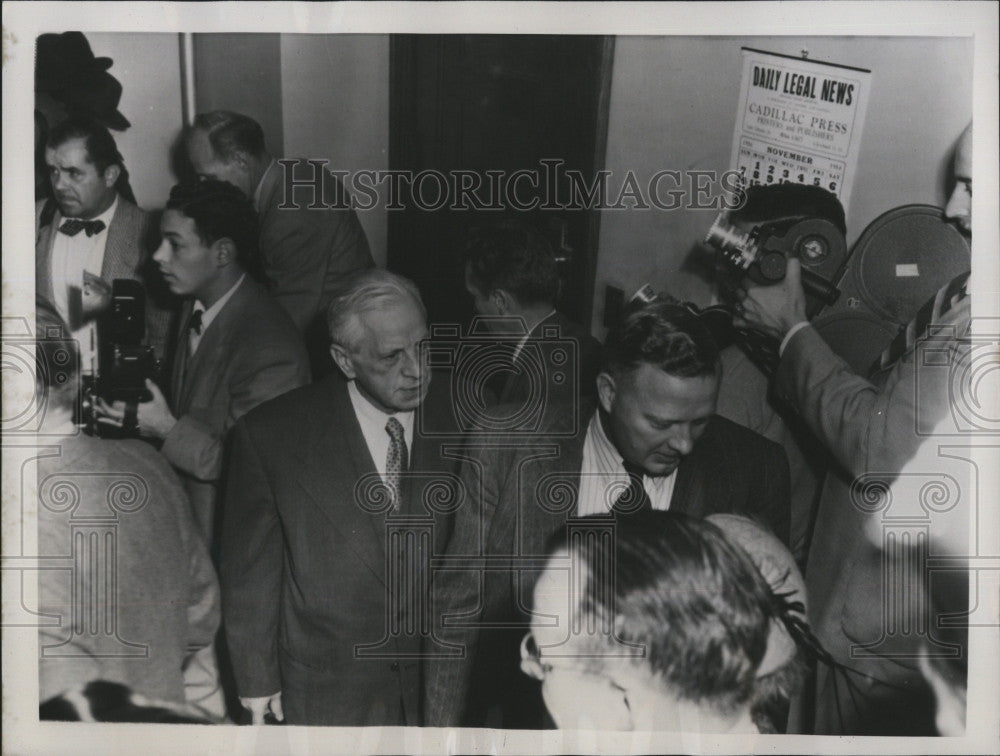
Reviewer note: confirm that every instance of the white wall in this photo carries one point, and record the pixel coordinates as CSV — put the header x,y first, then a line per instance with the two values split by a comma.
x,y
335,105
148,67
673,106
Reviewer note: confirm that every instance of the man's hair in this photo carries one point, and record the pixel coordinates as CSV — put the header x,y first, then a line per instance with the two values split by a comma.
x,y
360,292
784,203
57,357
693,606
515,257
220,210
230,132
662,334
102,150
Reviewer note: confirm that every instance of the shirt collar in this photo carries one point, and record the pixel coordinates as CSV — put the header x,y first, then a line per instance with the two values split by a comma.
x,y
609,460
104,217
369,412
208,315
260,185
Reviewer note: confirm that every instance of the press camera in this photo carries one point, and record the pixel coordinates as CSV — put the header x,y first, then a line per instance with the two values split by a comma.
x,y
123,361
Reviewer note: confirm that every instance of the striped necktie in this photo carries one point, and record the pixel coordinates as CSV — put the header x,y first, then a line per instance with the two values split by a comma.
x,y
930,313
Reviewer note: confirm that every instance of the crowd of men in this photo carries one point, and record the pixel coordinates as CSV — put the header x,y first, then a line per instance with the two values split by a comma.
x,y
335,531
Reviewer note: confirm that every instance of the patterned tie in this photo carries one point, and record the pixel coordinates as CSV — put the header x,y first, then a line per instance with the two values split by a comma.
x,y
396,460
930,313
634,498
73,226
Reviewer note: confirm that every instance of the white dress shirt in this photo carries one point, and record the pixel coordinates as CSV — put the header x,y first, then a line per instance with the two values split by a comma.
x,y
207,316
372,421
71,256
603,478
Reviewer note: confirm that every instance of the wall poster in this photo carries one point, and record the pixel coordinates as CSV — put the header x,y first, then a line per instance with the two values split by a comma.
x,y
799,120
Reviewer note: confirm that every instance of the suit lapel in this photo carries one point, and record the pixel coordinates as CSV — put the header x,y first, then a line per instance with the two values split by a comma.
x,y
180,357
44,240
338,452
121,249
701,486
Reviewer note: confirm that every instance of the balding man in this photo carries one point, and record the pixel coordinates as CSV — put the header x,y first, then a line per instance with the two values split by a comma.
x,y
310,238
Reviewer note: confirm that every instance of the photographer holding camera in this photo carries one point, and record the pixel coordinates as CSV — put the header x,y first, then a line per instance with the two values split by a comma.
x,y
869,425
236,348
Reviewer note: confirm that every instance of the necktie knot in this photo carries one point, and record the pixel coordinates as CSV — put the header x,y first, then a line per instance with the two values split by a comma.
x,y
194,324
73,226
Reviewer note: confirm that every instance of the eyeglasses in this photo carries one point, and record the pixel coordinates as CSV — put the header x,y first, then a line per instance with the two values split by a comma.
x,y
534,666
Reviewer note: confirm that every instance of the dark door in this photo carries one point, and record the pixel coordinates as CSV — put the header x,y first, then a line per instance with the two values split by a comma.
x,y
513,116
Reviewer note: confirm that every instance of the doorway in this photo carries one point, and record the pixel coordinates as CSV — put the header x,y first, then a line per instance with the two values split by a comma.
x,y
519,117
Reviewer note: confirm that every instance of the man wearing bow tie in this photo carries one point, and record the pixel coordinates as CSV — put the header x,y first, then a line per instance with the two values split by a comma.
x,y
91,234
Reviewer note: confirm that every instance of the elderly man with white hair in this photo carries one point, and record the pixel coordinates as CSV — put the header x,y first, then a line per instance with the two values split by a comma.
x,y
323,603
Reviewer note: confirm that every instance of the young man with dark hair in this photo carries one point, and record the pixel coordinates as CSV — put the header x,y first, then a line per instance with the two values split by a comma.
x,y
236,347
511,274
309,240
91,233
653,442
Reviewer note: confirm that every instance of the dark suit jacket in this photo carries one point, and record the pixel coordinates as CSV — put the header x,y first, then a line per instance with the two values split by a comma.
x,y
126,255
249,353
521,494
566,383
309,567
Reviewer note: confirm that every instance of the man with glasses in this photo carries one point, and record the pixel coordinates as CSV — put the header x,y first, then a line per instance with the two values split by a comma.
x,y
663,626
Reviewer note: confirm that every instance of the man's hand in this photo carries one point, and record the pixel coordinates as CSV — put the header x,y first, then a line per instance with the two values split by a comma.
x,y
96,295
153,418
776,308
258,707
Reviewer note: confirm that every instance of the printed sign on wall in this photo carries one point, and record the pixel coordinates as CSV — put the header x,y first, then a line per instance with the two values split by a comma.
x,y
800,121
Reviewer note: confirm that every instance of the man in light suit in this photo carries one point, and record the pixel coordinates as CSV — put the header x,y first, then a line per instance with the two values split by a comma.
x,y
871,425
236,347
92,233
653,442
310,237
323,624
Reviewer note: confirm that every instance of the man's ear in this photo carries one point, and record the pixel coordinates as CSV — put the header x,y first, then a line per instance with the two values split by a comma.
x,y
225,251
111,175
342,358
606,390
501,301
